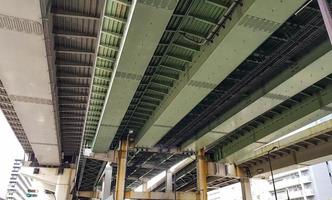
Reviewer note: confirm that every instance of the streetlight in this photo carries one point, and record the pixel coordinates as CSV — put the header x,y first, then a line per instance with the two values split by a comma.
x,y
268,157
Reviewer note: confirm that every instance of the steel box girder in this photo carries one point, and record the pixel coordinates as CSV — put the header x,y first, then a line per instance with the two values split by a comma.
x,y
306,156
309,105
138,47
207,65
277,90
323,129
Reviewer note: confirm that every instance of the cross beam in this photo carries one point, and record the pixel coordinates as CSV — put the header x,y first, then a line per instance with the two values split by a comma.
x,y
112,155
145,195
162,195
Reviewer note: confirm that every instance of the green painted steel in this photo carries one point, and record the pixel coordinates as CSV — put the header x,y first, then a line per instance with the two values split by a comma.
x,y
311,57
307,106
146,23
214,62
315,131
113,23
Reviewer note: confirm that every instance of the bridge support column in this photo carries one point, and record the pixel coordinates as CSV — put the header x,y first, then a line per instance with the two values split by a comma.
x,y
121,170
169,181
246,189
59,181
202,171
107,183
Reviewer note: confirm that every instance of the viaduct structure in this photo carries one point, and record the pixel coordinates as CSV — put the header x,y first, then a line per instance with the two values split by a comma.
x,y
103,95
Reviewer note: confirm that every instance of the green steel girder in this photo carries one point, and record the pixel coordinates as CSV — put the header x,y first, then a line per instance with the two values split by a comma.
x,y
307,106
114,20
313,55
286,159
207,68
136,48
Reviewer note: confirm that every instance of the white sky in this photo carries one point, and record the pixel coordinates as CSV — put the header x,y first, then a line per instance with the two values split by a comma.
x,y
10,149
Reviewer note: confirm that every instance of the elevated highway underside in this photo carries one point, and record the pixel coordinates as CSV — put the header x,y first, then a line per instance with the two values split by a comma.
x,y
145,85
27,97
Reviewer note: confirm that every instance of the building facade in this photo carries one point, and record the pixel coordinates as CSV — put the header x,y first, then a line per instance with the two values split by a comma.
x,y
308,183
18,184
259,191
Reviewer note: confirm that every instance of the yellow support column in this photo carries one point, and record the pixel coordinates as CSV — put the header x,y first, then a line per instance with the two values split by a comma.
x,y
121,170
202,175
